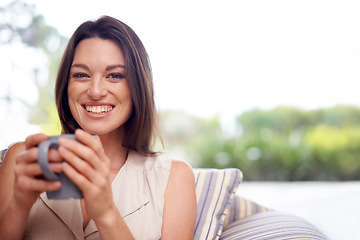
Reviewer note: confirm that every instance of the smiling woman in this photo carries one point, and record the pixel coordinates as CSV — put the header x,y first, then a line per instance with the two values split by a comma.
x,y
104,95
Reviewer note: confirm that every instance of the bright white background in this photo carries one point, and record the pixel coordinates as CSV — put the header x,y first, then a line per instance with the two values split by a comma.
x,y
227,56
223,57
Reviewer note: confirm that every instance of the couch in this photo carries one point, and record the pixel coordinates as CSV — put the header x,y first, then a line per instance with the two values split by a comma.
x,y
221,214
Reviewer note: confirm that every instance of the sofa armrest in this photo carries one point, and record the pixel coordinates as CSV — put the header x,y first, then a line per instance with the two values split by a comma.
x,y
241,208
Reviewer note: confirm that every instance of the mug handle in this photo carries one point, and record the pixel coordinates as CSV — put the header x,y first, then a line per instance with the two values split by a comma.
x,y
43,161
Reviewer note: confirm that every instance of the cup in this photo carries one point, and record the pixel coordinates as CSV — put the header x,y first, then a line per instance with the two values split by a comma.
x,y
68,188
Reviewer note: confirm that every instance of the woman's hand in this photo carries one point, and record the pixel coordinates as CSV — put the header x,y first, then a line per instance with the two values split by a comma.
x,y
29,183
89,168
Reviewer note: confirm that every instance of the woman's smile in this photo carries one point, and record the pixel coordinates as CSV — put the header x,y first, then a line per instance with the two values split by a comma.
x,y
102,109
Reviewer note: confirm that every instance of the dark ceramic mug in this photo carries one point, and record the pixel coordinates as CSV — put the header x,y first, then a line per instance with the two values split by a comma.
x,y
68,188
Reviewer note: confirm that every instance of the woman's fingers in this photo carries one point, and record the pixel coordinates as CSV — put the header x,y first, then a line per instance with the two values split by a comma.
x,y
25,183
28,171
74,160
54,156
34,140
89,149
89,180
81,180
34,169
94,145
27,162
29,181
89,140
26,157
85,162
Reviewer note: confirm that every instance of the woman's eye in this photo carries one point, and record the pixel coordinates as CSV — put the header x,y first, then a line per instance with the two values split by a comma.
x,y
115,76
80,76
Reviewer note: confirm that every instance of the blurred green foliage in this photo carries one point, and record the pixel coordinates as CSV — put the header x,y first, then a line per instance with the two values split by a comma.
x,y
282,144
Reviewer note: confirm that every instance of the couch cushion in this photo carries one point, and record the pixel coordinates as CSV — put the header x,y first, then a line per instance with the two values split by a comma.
x,y
240,208
215,188
271,225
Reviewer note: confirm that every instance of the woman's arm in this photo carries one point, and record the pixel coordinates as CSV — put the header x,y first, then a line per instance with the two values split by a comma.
x,y
8,221
20,185
7,175
180,203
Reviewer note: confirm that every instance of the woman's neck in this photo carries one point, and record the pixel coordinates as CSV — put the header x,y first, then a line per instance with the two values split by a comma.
x,y
114,150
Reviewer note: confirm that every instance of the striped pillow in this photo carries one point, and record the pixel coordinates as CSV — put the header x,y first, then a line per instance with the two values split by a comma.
x,y
215,188
240,208
271,225
3,152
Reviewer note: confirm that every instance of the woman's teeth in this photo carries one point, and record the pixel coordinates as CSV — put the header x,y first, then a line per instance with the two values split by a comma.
x,y
99,109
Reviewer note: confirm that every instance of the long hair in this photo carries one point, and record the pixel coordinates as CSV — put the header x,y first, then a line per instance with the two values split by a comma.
x,y
142,126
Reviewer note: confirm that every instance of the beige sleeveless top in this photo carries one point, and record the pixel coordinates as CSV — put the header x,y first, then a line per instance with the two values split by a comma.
x,y
138,191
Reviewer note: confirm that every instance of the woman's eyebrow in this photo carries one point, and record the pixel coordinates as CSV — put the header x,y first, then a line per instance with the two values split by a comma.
x,y
79,65
111,67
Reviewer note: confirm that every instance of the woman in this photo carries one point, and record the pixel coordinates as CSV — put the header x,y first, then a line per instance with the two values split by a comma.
x,y
104,94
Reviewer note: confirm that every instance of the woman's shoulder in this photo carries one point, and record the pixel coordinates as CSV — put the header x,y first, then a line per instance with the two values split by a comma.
x,y
182,170
12,151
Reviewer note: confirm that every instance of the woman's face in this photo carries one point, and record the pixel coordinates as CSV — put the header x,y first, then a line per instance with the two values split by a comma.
x,y
99,95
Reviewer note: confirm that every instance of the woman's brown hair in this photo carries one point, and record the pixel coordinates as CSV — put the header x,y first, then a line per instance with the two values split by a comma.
x,y
142,128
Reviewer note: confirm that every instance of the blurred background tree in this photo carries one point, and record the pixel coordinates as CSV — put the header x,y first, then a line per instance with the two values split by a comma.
x,y
20,24
280,144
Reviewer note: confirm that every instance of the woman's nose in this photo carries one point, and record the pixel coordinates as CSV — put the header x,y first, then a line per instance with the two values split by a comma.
x,y
97,89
